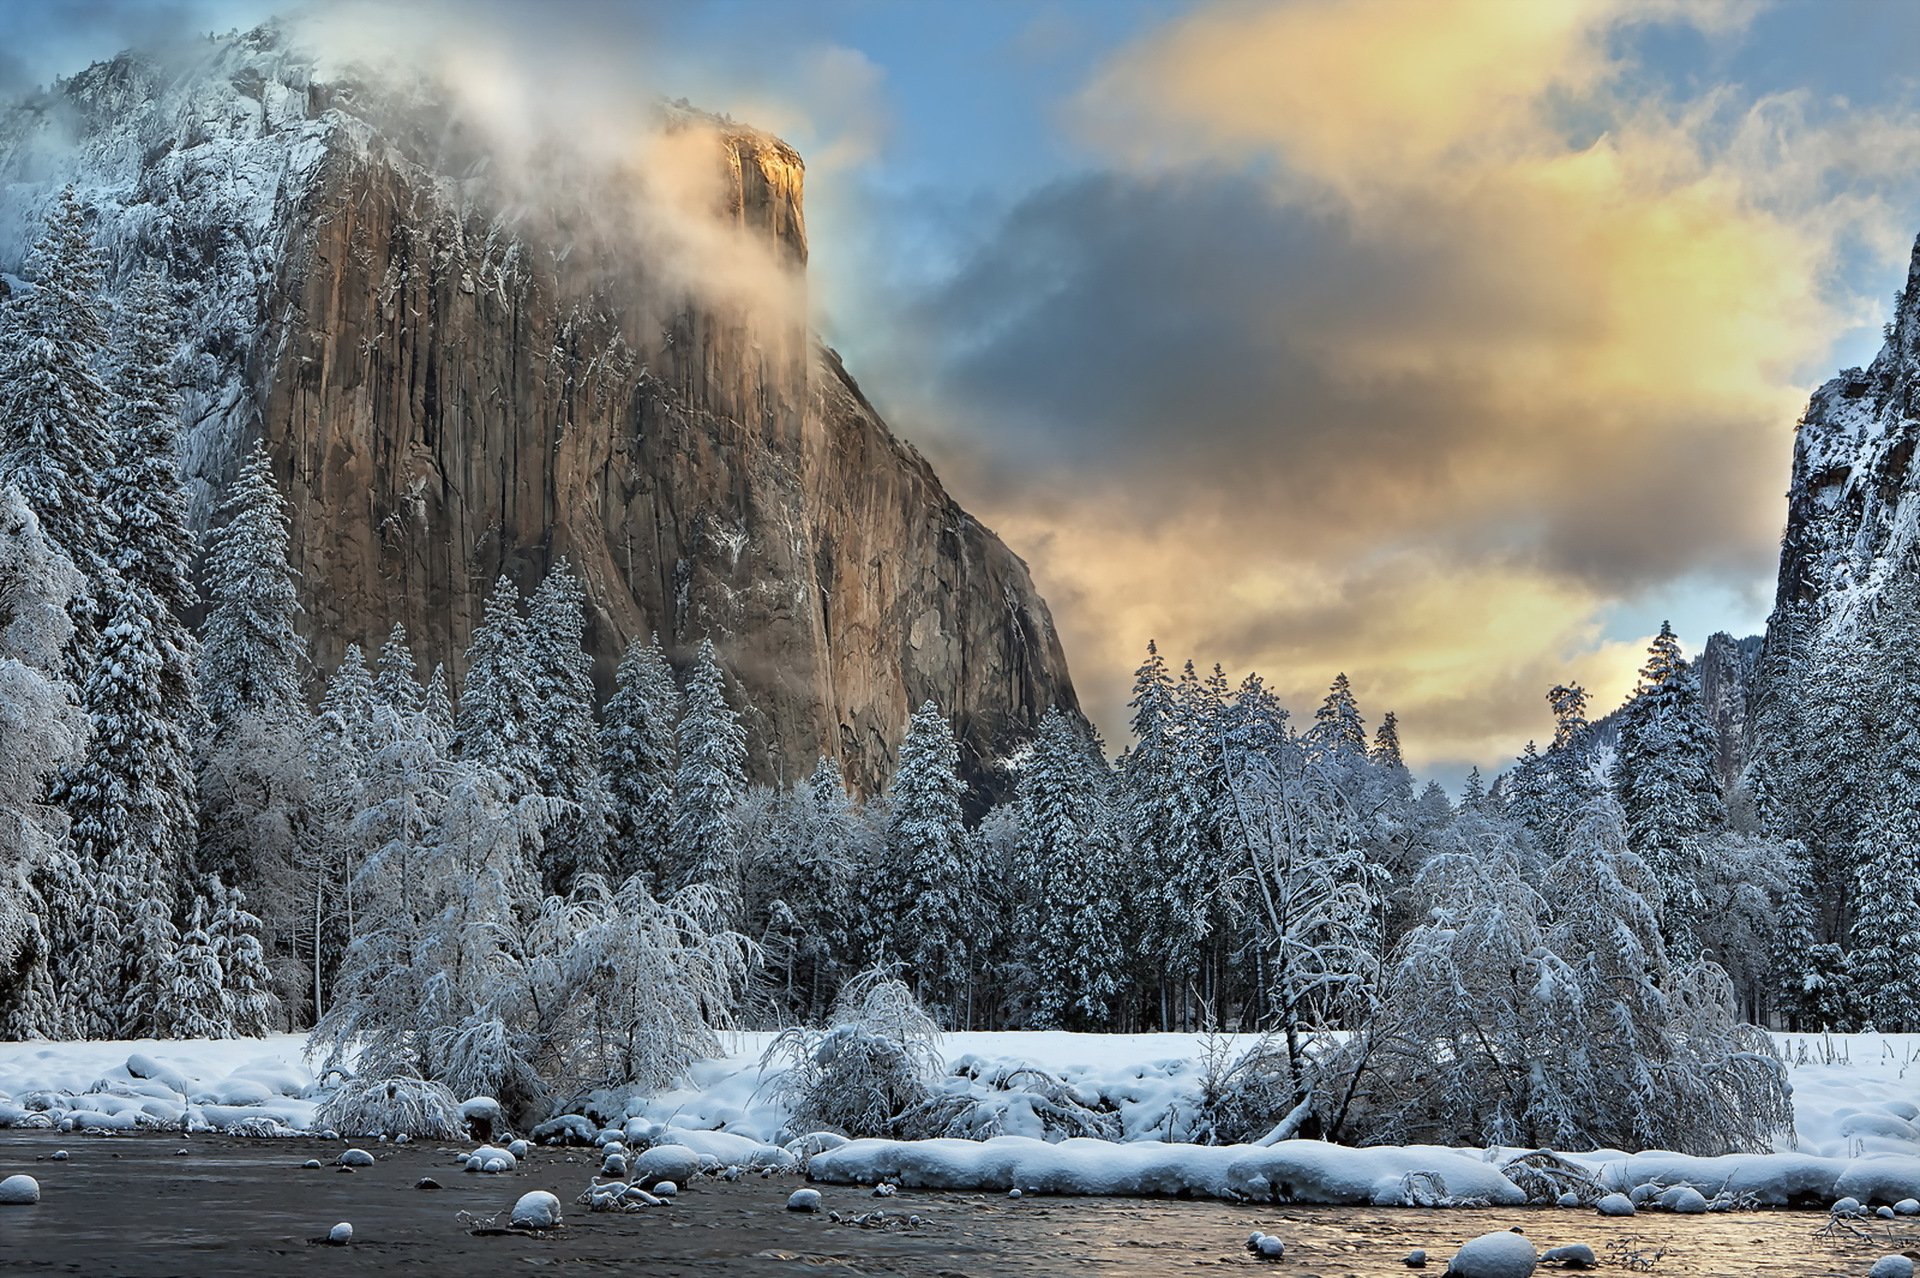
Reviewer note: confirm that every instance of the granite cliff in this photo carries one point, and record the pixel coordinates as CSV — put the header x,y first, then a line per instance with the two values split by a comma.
x,y
460,376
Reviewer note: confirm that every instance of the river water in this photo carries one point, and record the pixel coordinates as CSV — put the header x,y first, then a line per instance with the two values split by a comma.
x,y
133,1205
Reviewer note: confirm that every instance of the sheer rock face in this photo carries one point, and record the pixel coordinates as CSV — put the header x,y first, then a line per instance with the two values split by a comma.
x,y
455,384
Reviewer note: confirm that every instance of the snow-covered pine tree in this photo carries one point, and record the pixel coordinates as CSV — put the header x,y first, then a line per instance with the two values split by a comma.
x,y
130,797
1664,773
1473,794
147,987
196,1000
568,741
247,984
640,758
1067,850
55,440
251,657
396,678
42,727
1386,743
253,777
1166,816
1337,728
499,706
710,781
1883,958
436,705
926,851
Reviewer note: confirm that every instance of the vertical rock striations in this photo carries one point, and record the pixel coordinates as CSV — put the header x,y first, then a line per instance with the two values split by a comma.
x,y
459,377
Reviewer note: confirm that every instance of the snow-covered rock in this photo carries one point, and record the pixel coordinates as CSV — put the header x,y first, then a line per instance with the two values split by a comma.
x,y
1892,1267
1502,1255
491,1159
667,1189
1571,1256
536,1209
341,1234
19,1191
804,1200
665,1162
356,1158
1615,1205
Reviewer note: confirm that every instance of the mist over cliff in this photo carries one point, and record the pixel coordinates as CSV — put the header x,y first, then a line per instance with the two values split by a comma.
x,y
479,331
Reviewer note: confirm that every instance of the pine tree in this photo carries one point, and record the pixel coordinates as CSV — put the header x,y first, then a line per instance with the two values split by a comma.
x,y
251,657
563,684
1883,963
640,758
926,849
436,708
710,781
499,705
196,1002
43,903
1386,743
1165,815
1473,795
1664,772
396,679
55,440
148,980
1337,728
580,839
130,797
246,983
1068,847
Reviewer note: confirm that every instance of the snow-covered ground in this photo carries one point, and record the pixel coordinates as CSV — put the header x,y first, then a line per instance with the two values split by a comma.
x,y
1857,1121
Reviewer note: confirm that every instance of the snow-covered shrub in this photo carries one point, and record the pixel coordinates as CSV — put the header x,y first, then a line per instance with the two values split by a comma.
x,y
1063,1112
872,1072
1244,1094
390,1107
1552,1017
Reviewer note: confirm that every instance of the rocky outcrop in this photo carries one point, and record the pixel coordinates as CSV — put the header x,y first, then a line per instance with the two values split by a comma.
x,y
1726,667
456,384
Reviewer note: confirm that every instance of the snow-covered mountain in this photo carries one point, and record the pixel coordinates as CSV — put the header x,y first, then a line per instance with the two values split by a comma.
x,y
461,373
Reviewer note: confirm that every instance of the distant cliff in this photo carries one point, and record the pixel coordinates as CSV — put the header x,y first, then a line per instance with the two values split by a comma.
x,y
456,382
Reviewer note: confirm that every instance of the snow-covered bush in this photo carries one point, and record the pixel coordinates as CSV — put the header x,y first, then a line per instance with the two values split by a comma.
x,y
1552,1017
391,1107
1244,1093
872,1072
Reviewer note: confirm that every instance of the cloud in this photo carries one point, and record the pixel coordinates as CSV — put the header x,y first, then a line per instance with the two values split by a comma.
x,y
1403,339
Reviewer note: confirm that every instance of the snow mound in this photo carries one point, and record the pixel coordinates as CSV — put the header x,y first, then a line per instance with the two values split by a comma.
x,y
19,1191
804,1200
1502,1255
665,1162
1892,1267
537,1209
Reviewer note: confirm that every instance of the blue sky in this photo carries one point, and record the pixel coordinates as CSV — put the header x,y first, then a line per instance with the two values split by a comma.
x,y
1453,346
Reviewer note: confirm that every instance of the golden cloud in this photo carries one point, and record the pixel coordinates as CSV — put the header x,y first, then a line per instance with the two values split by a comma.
x,y
1613,300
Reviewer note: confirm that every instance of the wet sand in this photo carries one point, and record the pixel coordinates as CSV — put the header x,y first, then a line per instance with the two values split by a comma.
x,y
131,1206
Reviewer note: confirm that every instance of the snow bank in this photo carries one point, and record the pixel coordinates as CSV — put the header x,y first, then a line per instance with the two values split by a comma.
x,y
1292,1171
1857,1124
255,1086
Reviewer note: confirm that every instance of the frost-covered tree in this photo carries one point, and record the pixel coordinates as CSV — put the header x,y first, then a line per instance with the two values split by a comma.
x,y
1068,850
1531,1017
1167,814
1386,743
55,440
131,795
396,678
251,657
709,782
196,1001
639,757
42,727
146,985
926,850
1314,894
799,879
1337,726
249,1006
567,738
498,721
1664,773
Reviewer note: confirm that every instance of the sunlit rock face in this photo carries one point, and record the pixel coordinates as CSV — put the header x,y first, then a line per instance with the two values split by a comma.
x,y
462,371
